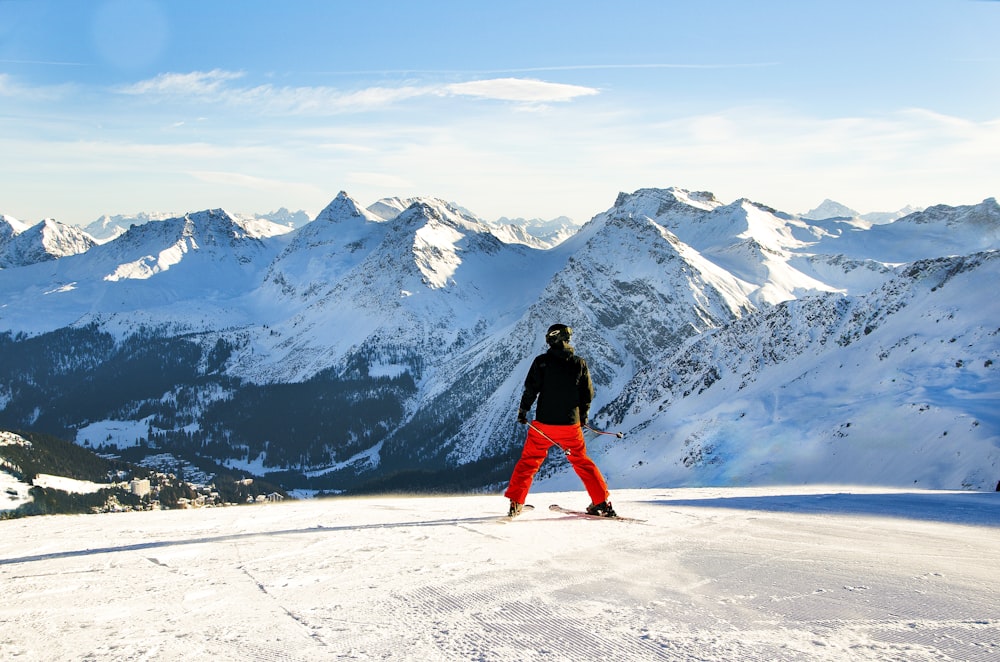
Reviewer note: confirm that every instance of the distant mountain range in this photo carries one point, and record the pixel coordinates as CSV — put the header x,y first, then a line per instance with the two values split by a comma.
x,y
384,347
110,227
831,209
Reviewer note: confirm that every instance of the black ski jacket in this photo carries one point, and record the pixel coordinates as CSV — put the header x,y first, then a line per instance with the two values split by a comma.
x,y
561,382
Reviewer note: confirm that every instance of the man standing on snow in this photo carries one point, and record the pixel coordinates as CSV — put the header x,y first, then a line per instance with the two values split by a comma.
x,y
561,382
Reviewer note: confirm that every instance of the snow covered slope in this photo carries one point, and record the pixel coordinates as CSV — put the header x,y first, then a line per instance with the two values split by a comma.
x,y
824,573
895,387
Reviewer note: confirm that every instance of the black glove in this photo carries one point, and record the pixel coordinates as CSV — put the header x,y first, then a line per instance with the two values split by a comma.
x,y
584,415
522,416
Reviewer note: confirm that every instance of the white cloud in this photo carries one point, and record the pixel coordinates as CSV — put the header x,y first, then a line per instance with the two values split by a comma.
x,y
193,84
572,160
216,87
322,100
520,89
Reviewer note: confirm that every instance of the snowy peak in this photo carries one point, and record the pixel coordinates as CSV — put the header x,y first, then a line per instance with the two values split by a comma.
x,y
348,247
158,246
10,226
260,227
196,259
342,226
954,230
655,291
701,221
983,217
109,227
47,240
830,209
656,203
439,237
286,218
937,231
535,232
751,243
389,208
322,251
199,229
681,270
734,223
61,240
344,208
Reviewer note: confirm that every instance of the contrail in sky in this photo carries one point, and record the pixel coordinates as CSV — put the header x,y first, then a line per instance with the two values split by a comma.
x,y
568,67
46,62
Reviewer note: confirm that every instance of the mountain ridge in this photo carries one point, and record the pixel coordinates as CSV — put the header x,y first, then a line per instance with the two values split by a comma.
x,y
390,346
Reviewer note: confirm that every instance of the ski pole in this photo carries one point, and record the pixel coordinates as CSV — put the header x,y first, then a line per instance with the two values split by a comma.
x,y
613,434
548,438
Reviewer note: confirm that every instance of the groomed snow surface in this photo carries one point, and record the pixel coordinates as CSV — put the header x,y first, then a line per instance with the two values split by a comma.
x,y
792,573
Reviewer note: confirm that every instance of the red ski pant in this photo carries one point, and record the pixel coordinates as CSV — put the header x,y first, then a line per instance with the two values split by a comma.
x,y
536,447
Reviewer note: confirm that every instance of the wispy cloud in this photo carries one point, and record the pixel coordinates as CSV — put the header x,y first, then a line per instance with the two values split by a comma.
x,y
195,83
10,87
218,86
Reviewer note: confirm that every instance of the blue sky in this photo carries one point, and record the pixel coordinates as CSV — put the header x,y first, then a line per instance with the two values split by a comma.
x,y
519,108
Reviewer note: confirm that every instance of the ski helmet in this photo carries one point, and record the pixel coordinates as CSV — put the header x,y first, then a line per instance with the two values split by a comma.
x,y
558,333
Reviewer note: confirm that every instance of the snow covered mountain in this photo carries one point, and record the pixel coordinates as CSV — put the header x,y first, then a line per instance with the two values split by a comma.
x,y
833,385
830,209
109,227
46,240
10,226
937,231
148,275
549,232
385,347
881,217
535,233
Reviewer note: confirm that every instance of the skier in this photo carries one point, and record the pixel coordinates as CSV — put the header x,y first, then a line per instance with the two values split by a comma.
x,y
561,382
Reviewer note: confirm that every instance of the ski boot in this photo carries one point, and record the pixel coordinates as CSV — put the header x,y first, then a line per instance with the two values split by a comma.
x,y
602,509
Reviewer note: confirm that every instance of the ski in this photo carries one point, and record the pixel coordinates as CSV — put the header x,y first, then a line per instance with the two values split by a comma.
x,y
585,515
510,518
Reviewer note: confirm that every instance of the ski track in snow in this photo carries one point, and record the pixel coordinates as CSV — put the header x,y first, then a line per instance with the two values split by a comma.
x,y
816,573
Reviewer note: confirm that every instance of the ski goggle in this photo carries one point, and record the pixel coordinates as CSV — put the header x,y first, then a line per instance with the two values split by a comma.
x,y
558,334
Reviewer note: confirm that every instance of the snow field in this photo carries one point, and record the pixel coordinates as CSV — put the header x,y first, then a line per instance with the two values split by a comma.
x,y
13,493
790,573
